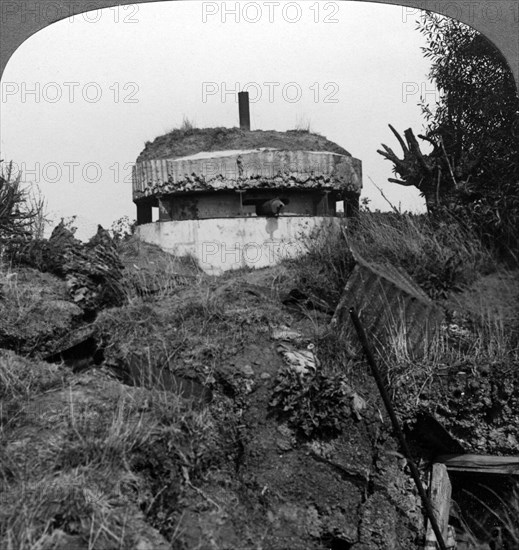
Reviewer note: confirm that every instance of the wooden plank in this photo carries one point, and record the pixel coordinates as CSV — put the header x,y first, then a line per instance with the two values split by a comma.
x,y
440,495
508,465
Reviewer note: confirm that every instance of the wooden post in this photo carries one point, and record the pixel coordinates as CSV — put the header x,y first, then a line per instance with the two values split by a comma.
x,y
243,106
440,496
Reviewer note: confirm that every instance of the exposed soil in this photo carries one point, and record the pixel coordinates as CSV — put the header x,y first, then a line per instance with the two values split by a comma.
x,y
174,439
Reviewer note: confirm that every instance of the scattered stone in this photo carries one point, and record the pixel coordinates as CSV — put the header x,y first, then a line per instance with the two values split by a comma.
x,y
144,544
249,386
358,404
286,439
247,371
285,333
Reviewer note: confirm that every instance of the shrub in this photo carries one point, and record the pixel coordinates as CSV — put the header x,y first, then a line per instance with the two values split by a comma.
x,y
315,405
21,211
325,267
187,125
494,217
122,229
441,256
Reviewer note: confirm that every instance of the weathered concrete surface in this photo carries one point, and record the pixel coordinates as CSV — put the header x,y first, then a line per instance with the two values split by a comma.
x,y
262,168
223,244
390,305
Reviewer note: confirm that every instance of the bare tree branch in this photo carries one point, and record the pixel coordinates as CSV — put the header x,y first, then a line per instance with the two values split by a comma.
x,y
400,182
400,140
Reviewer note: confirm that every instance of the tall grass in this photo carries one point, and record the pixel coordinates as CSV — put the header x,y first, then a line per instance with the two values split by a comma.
x,y
440,257
99,459
326,264
303,125
478,343
187,124
491,512
150,272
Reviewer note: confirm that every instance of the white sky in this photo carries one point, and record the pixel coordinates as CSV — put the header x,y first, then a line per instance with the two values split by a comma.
x,y
105,82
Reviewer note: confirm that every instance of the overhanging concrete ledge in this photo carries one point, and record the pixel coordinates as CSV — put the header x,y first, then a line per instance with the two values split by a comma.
x,y
262,168
223,244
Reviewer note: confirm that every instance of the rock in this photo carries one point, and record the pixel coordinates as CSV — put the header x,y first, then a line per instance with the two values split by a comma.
x,y
284,333
144,544
358,404
247,371
286,438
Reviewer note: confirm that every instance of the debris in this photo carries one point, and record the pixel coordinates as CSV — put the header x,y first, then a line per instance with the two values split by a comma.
x,y
390,305
358,404
301,361
305,300
285,333
508,465
286,438
247,371
92,271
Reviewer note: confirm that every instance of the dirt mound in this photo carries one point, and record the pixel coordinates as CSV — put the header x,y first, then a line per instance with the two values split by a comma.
x,y
260,482
180,143
223,415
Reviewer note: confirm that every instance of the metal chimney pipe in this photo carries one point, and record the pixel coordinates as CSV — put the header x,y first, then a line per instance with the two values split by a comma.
x,y
243,106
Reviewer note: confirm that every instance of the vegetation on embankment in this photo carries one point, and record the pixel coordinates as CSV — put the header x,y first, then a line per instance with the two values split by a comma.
x,y
228,413
188,141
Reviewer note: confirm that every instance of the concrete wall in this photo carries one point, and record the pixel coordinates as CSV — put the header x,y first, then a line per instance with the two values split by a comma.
x,y
223,170
230,243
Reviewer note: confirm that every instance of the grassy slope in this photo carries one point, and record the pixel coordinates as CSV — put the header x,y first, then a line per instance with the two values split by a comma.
x,y
180,143
197,458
